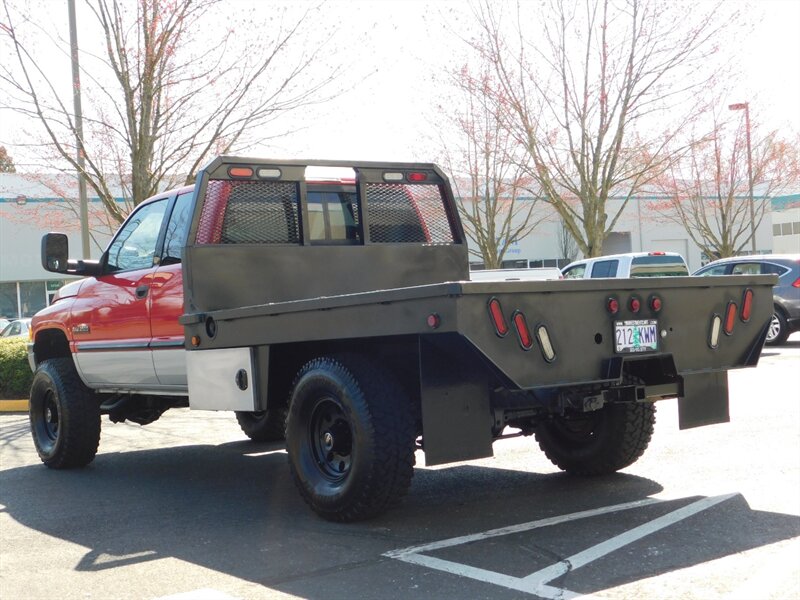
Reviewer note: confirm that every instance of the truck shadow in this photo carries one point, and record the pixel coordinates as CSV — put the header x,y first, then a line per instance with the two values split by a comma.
x,y
233,508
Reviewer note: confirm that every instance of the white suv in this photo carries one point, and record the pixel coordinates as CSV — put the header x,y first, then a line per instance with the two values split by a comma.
x,y
632,264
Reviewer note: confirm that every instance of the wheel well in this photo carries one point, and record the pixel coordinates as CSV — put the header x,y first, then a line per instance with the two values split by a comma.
x,y
397,354
50,343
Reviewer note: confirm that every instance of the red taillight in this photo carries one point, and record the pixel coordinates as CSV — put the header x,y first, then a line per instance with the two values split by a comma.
x,y
434,321
612,305
796,283
656,253
240,172
655,303
730,317
524,334
747,305
498,319
634,304
417,177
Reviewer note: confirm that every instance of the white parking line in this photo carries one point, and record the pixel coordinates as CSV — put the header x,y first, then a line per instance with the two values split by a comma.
x,y
537,583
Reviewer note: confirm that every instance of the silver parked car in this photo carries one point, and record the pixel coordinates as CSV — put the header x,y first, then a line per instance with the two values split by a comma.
x,y
16,328
786,295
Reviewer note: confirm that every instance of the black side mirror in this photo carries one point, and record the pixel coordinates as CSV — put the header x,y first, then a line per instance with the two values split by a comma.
x,y
55,252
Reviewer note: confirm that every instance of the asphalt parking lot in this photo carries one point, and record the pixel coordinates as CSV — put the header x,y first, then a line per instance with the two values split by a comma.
x,y
188,508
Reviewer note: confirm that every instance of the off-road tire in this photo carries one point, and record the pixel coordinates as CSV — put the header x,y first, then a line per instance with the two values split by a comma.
x,y
64,416
598,442
350,437
263,426
778,331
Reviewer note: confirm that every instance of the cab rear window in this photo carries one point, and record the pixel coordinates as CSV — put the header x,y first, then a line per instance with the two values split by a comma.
x,y
658,266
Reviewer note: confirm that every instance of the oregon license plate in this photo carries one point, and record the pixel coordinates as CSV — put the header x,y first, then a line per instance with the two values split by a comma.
x,y
636,336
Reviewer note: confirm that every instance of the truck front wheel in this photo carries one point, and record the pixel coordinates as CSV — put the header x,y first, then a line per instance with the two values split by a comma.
x,y
64,416
350,438
598,442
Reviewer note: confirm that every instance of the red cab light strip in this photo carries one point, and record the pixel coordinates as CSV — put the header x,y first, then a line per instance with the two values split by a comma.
x,y
498,319
240,172
730,318
747,305
523,333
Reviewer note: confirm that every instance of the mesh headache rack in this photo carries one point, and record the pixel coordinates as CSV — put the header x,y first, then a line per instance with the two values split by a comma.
x,y
256,201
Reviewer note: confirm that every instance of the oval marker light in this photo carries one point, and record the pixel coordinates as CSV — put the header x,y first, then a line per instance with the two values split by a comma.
x,y
716,327
544,342
240,172
269,173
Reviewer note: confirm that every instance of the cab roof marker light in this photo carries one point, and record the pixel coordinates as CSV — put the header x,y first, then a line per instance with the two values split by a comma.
x,y
730,317
545,344
392,176
747,305
269,173
240,172
716,327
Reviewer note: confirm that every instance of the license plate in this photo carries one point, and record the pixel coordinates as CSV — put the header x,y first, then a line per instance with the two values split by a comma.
x,y
636,336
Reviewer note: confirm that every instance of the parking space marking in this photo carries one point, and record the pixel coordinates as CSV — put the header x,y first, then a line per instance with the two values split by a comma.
x,y
537,583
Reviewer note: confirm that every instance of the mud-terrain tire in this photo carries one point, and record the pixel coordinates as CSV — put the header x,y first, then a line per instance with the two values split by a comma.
x,y
263,426
64,416
778,331
598,442
350,437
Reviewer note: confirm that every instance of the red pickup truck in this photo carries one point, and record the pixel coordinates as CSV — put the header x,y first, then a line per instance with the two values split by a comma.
x,y
340,312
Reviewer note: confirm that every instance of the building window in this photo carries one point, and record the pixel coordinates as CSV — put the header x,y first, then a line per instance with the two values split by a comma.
x,y
776,229
9,307
32,297
786,228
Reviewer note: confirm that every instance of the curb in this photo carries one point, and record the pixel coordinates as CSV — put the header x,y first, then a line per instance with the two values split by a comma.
x,y
8,406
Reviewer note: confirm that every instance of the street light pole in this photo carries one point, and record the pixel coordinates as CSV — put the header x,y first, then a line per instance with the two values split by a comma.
x,y
76,99
745,106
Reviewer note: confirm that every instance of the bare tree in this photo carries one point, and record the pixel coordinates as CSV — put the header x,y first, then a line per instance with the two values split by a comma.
x,y
707,193
174,84
488,178
598,93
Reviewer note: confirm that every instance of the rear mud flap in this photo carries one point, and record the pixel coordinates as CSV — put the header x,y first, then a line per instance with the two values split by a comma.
x,y
456,416
705,400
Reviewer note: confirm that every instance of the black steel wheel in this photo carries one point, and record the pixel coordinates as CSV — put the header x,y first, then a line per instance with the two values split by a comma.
x,y
778,331
263,426
598,442
64,416
350,438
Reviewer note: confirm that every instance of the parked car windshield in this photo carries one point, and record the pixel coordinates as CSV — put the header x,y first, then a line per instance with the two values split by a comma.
x,y
658,266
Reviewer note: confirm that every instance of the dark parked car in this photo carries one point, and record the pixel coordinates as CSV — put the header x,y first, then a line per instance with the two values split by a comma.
x,y
786,318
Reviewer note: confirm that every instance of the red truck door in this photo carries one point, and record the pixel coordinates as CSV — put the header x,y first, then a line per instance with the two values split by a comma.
x,y
166,298
111,317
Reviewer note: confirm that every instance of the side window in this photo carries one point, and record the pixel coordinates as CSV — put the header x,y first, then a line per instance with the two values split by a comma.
x,y
332,217
575,272
716,270
746,269
773,268
177,229
605,268
135,244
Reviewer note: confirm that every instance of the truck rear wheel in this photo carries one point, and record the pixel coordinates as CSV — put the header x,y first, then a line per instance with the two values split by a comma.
x,y
350,438
263,426
598,442
64,416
